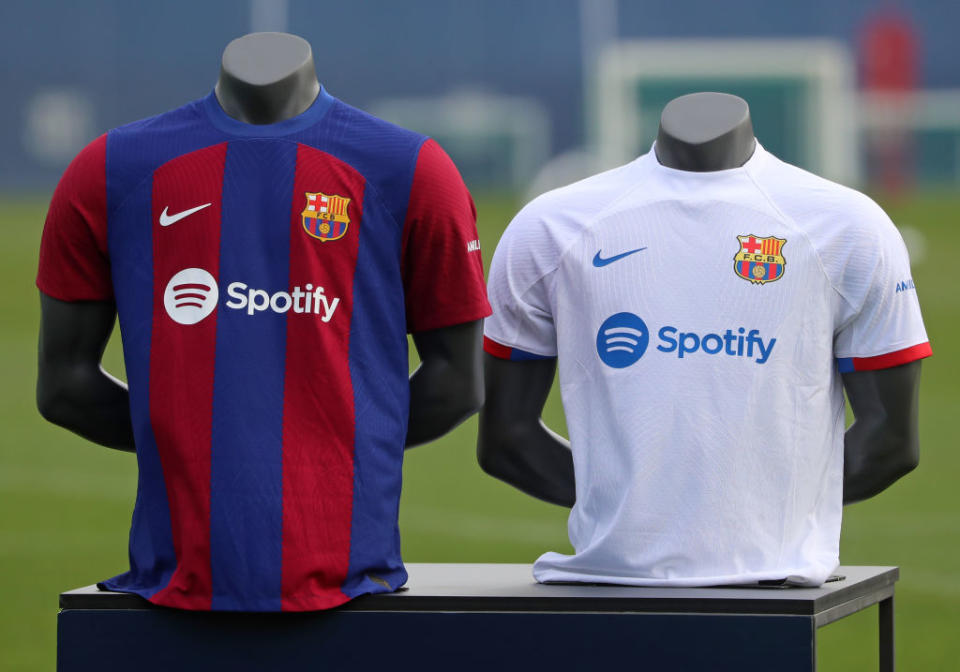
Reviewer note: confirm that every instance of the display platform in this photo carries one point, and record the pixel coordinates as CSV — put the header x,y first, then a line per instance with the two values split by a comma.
x,y
483,617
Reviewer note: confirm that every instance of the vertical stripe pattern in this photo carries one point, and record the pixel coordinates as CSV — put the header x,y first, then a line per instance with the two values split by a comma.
x,y
269,428
245,485
319,415
182,365
378,342
152,554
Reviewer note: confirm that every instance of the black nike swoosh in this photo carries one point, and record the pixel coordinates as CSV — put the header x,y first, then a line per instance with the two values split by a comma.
x,y
600,262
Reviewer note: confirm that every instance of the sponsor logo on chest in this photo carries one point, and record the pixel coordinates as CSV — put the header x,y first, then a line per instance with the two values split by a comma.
x,y
623,339
193,294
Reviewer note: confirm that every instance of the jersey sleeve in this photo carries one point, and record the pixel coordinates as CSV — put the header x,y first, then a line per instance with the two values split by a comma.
x,y
523,266
441,264
73,251
883,327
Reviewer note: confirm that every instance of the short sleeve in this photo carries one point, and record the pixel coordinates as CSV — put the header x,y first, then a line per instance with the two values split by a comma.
x,y
523,266
73,251
884,327
441,264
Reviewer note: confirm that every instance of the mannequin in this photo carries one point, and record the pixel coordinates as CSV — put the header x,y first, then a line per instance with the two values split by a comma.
x,y
704,132
699,132
264,78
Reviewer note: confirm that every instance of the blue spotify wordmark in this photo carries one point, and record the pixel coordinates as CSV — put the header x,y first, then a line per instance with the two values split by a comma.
x,y
622,340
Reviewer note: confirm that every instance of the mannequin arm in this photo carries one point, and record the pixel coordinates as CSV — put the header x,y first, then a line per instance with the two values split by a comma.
x,y
447,387
513,444
882,444
73,391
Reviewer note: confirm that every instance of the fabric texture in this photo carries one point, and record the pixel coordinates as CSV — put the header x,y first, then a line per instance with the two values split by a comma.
x,y
701,322
265,278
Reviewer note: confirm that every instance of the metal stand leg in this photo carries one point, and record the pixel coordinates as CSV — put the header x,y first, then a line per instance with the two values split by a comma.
x,y
886,635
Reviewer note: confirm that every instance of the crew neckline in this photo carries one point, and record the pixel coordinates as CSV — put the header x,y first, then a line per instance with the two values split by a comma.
x,y
753,163
310,116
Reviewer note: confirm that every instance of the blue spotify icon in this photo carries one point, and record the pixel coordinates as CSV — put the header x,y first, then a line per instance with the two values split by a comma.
x,y
622,340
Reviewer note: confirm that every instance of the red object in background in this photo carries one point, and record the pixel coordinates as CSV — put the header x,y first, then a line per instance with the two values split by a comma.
x,y
889,53
888,68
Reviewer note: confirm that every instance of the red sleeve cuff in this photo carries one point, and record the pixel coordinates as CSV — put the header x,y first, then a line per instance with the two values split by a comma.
x,y
501,351
885,361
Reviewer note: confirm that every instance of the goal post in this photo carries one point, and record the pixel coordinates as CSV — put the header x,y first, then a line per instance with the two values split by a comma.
x,y
801,94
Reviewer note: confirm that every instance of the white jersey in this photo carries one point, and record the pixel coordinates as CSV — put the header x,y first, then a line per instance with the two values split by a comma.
x,y
701,322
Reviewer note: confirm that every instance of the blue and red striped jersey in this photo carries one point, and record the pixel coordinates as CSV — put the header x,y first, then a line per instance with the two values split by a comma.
x,y
265,278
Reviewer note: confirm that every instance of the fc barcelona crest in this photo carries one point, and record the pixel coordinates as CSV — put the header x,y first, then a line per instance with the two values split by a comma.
x,y
325,216
760,260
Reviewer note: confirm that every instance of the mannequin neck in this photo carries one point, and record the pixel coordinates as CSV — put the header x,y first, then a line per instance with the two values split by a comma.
x,y
703,132
267,78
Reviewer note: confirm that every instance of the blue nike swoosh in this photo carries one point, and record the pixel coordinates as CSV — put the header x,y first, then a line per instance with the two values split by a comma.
x,y
600,262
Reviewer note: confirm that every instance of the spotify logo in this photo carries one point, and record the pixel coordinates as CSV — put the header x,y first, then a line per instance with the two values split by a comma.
x,y
622,340
624,337
190,296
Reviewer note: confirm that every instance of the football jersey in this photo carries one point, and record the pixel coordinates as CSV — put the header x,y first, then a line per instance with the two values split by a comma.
x,y
265,278
701,321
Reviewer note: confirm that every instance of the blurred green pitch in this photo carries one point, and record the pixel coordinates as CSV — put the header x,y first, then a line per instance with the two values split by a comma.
x,y
65,504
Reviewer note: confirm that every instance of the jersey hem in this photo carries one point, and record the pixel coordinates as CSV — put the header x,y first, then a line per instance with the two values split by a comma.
x,y
807,576
290,604
885,361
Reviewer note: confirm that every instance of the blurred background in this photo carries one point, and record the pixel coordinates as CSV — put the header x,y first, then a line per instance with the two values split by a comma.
x,y
526,95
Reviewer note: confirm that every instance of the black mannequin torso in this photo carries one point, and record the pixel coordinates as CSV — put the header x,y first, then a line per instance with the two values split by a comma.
x,y
698,132
264,78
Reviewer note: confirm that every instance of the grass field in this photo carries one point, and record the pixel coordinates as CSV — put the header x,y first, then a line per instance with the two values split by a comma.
x,y
65,504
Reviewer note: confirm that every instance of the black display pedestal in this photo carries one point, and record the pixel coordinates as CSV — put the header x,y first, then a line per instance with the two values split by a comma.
x,y
483,617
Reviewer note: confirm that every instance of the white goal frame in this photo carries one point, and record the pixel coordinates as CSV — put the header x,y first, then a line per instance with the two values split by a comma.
x,y
826,66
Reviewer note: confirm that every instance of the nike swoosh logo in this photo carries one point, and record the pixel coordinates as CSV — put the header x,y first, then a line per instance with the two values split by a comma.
x,y
600,262
168,219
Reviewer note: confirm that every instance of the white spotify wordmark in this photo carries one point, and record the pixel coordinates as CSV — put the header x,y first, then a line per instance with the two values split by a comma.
x,y
190,296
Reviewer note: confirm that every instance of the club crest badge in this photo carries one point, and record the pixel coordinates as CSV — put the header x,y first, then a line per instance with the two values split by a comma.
x,y
325,216
760,260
